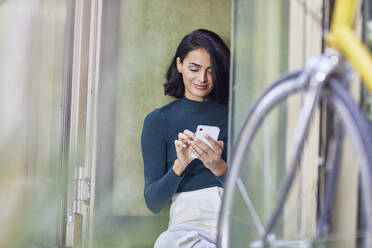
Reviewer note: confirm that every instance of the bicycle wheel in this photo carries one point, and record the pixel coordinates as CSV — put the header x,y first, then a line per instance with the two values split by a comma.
x,y
353,122
278,92
357,125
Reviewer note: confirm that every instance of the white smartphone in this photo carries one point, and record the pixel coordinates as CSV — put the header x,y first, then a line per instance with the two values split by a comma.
x,y
202,130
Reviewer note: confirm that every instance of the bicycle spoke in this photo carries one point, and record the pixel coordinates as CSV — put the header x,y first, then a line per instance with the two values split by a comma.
x,y
283,87
257,222
323,66
314,15
310,101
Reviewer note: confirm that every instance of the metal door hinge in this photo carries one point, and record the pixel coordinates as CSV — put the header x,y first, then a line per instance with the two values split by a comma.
x,y
82,190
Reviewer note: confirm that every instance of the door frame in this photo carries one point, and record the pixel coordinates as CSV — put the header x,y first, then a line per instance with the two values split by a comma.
x,y
82,65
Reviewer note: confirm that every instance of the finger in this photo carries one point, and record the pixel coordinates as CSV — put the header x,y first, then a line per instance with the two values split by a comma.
x,y
184,138
190,134
195,151
179,144
221,144
215,145
198,149
203,145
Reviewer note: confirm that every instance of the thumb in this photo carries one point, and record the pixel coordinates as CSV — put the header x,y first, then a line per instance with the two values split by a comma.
x,y
220,143
179,145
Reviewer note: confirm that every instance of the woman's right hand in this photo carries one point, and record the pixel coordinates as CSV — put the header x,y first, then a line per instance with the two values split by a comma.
x,y
183,151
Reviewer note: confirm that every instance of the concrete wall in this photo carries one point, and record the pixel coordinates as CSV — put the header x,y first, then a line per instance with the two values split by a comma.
x,y
149,34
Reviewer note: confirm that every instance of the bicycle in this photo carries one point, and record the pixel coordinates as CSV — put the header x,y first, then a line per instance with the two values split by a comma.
x,y
324,79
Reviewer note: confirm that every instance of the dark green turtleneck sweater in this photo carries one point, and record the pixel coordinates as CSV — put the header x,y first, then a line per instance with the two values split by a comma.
x,y
160,130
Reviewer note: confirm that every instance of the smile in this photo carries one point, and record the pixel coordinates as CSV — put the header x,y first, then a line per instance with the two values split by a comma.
x,y
200,87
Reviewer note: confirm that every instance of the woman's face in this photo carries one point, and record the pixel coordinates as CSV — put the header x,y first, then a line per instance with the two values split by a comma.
x,y
197,74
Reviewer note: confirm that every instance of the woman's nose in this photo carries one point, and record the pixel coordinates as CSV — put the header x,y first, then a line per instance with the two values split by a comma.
x,y
203,76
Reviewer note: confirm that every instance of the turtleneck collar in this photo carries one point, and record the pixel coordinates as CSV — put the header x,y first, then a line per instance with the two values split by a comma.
x,y
196,104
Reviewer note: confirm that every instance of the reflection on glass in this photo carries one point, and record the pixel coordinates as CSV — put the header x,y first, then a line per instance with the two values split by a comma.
x,y
31,84
132,75
260,54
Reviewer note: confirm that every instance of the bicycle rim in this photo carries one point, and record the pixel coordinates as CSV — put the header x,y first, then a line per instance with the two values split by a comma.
x,y
353,121
279,91
357,126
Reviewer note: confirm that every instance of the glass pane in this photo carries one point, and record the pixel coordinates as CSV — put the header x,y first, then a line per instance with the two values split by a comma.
x,y
31,91
260,54
139,40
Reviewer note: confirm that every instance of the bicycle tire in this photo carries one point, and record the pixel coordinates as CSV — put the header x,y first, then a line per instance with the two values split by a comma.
x,y
279,91
357,125
351,116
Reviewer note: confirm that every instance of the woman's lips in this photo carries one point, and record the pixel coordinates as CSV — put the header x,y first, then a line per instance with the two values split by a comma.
x,y
200,87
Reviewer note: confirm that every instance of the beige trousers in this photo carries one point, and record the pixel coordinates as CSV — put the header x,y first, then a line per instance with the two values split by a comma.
x,y
193,220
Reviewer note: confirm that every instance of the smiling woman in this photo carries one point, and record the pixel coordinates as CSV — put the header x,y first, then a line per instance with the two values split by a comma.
x,y
198,75
201,61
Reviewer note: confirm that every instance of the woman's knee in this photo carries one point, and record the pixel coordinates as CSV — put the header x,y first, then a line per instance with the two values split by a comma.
x,y
164,240
181,239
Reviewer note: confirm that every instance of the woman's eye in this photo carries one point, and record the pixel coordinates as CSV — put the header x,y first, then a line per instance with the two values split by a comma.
x,y
209,70
194,69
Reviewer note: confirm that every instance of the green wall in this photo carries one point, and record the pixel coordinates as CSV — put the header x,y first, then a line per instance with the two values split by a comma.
x,y
149,34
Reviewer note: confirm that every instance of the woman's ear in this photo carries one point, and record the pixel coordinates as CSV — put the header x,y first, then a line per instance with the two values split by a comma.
x,y
179,65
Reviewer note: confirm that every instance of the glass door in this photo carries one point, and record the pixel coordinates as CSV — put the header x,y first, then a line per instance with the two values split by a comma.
x,y
83,63
138,40
32,126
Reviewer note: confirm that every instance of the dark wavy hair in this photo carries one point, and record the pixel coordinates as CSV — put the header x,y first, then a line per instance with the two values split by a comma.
x,y
220,60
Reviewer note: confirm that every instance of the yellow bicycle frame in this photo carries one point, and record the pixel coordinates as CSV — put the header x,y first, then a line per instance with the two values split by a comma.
x,y
343,38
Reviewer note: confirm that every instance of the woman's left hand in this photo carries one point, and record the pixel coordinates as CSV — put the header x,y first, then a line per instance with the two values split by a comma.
x,y
211,157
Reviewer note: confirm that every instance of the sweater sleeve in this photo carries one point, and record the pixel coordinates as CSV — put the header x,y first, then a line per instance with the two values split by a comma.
x,y
221,178
160,184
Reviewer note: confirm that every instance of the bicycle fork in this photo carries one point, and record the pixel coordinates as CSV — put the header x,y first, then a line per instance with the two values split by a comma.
x,y
316,75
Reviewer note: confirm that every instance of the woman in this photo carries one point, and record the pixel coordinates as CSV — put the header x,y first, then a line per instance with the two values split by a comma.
x,y
199,76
